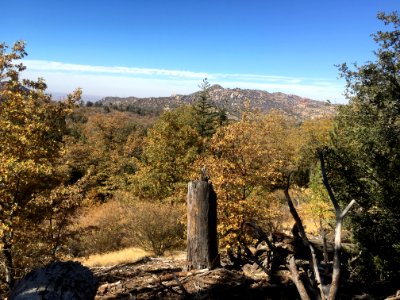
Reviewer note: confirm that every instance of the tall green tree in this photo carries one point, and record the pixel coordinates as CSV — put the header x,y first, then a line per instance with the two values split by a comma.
x,y
364,163
31,133
207,117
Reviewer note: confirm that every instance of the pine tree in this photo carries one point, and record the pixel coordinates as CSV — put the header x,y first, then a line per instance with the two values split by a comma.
x,y
207,117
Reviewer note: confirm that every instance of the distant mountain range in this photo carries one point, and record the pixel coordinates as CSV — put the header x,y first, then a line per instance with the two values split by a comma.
x,y
232,100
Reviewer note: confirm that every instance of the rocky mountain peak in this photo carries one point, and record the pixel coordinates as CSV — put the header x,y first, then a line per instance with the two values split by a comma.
x,y
233,101
215,87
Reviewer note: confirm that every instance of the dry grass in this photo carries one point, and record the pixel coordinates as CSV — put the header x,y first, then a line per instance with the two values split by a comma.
x,y
310,225
155,227
114,258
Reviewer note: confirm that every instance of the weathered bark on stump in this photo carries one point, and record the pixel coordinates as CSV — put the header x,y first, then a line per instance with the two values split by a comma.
x,y
202,244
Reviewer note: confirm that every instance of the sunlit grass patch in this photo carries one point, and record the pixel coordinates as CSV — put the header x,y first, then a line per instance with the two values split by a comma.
x,y
113,258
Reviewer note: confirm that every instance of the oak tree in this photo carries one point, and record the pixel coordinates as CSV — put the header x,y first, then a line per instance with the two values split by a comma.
x,y
248,160
31,132
169,150
364,162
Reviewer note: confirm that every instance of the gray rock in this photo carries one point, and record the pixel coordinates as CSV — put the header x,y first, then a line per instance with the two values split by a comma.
x,y
59,280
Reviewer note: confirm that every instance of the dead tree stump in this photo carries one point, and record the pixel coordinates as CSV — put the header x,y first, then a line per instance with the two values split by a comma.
x,y
202,244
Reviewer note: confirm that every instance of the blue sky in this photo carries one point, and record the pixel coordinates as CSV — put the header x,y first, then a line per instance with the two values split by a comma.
x,y
158,48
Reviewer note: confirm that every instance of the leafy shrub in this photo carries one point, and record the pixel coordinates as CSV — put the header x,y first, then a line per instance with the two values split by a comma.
x,y
102,228
115,225
157,227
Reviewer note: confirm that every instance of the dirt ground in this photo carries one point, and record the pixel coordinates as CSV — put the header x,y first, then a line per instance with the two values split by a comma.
x,y
167,278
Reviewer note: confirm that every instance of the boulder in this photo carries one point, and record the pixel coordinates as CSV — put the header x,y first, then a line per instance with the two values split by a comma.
x,y
58,280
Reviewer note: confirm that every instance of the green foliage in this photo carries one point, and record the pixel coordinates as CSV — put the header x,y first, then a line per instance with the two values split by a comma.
x,y
170,148
42,233
365,160
312,136
173,144
106,148
207,118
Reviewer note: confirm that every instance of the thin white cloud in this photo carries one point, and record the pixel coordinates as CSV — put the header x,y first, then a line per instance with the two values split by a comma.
x,y
43,65
146,82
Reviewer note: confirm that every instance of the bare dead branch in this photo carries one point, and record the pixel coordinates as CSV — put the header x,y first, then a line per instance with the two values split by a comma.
x,y
296,279
346,210
306,242
295,215
261,234
338,230
326,183
256,260
185,292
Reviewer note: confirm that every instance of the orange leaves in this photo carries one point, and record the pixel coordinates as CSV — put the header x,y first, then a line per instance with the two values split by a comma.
x,y
250,152
249,155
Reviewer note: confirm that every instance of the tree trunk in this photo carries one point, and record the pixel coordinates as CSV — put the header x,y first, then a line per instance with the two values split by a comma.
x,y
8,263
202,247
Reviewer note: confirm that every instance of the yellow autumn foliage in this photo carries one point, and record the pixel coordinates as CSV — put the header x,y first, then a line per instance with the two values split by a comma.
x,y
248,159
32,127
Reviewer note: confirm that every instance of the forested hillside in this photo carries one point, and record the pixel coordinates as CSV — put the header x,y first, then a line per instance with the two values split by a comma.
x,y
79,179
